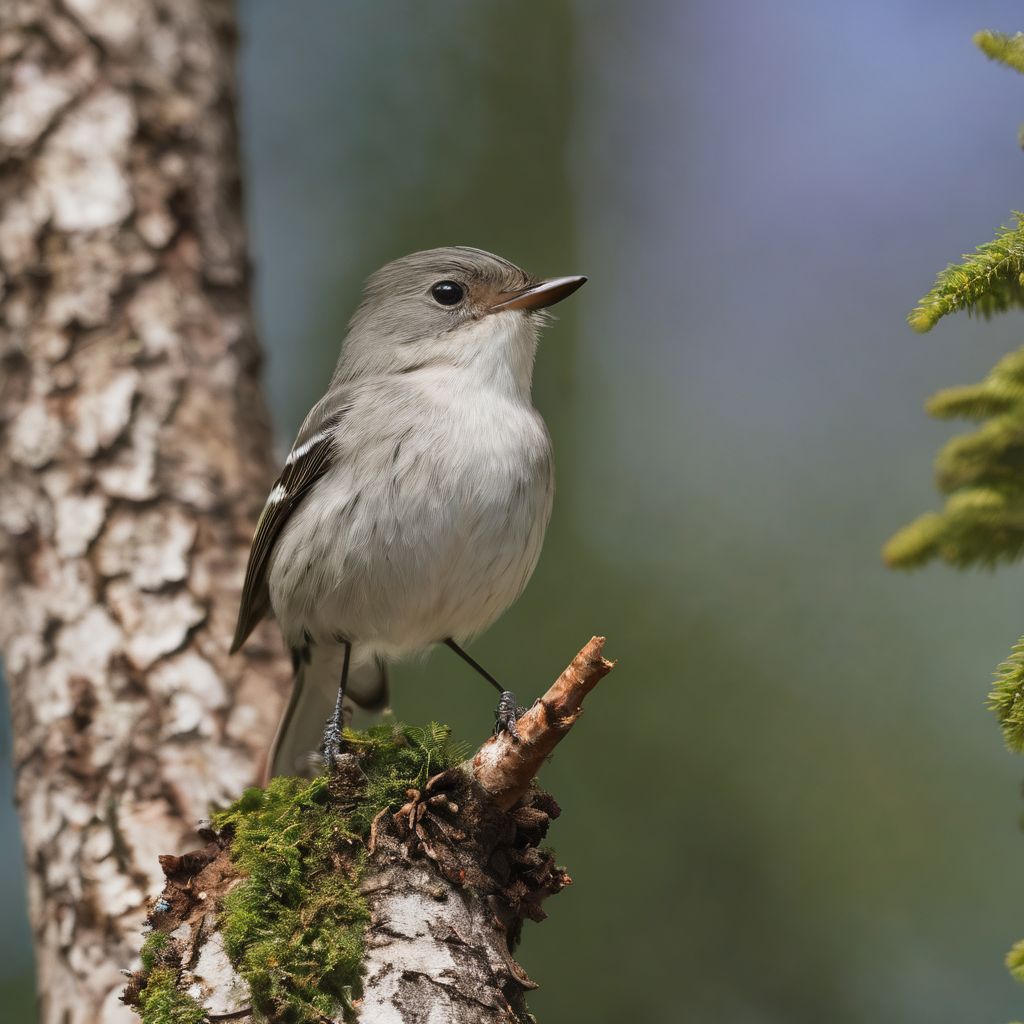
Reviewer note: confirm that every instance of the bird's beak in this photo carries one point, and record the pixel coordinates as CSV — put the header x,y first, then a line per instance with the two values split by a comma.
x,y
537,296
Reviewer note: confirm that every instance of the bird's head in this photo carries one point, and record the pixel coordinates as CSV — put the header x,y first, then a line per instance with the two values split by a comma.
x,y
455,306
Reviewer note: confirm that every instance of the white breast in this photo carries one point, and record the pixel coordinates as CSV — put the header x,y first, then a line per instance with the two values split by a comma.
x,y
427,527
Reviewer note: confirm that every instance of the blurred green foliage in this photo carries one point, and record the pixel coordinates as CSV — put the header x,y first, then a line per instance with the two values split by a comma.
x,y
983,472
18,998
1000,46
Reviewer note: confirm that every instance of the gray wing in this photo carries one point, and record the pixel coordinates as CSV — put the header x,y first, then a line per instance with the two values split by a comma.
x,y
311,456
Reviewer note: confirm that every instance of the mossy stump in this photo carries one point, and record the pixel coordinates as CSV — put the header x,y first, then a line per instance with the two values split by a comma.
x,y
372,892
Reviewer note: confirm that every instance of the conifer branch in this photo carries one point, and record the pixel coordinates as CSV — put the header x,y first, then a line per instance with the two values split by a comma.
x,y
1007,701
979,526
990,281
983,474
1000,46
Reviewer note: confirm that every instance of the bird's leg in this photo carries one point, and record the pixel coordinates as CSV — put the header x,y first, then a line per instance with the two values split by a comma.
x,y
336,723
508,711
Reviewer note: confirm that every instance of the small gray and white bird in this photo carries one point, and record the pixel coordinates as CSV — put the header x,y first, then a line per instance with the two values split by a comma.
x,y
412,508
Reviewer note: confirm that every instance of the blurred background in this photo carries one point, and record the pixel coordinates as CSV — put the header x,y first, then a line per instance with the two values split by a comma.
x,y
789,802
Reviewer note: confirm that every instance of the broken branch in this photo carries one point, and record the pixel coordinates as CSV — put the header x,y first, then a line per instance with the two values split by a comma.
x,y
505,767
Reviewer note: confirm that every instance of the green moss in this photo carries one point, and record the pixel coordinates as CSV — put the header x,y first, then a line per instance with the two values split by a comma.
x,y
294,927
161,1002
154,945
396,760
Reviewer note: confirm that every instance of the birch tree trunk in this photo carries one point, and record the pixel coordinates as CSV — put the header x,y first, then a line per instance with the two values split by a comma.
x,y
134,455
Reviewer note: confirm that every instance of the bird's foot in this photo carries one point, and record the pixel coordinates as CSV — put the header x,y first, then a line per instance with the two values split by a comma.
x,y
506,714
333,742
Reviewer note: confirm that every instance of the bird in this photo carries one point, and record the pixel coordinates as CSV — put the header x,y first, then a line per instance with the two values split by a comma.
x,y
412,507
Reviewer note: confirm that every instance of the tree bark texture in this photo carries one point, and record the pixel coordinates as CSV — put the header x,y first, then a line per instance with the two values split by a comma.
x,y
450,879
459,869
134,455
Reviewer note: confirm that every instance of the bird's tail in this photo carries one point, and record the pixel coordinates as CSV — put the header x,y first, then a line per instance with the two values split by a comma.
x,y
297,747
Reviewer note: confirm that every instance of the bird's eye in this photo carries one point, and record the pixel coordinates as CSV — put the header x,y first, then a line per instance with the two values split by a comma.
x,y
448,293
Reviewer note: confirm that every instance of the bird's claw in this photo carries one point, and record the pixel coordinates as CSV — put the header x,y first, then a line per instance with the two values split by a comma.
x,y
506,714
332,742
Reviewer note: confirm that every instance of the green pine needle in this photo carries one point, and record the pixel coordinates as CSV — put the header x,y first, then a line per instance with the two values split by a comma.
x,y
990,281
983,474
1006,49
1001,392
978,526
1007,701
991,458
915,545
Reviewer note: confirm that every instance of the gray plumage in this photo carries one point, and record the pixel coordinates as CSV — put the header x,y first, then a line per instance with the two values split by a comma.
x,y
413,505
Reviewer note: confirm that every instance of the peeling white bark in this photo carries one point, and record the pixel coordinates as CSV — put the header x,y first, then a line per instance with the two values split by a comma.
x,y
81,169
134,453
437,952
214,982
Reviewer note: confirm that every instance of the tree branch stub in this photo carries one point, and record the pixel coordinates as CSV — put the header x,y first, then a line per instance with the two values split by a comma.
x,y
505,767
